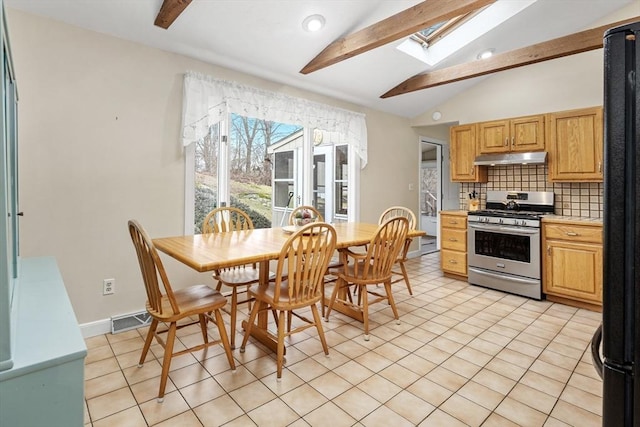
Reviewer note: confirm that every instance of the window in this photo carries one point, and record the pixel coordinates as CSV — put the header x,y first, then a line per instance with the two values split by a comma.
x,y
232,158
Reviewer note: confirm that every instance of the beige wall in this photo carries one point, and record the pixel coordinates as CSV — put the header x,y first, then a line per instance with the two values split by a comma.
x,y
99,123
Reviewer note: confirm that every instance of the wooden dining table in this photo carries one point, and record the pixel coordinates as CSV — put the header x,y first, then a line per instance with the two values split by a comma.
x,y
208,252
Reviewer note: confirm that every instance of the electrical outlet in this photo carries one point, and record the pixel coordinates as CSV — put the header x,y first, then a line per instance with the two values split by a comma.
x,y
108,286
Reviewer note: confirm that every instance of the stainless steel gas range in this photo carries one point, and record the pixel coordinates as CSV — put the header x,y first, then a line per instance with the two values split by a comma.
x,y
504,242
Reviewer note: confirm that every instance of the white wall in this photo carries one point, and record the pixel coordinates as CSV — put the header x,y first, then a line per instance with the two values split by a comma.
x,y
561,84
99,125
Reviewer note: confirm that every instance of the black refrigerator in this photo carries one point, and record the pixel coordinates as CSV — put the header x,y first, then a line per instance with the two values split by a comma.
x,y
620,329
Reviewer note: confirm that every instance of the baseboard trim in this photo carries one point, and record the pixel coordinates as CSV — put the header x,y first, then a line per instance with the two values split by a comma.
x,y
99,327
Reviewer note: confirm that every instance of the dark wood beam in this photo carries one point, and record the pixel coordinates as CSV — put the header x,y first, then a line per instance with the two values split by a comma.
x,y
169,11
557,48
403,24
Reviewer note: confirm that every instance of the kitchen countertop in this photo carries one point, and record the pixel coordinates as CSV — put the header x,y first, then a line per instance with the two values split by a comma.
x,y
459,212
572,219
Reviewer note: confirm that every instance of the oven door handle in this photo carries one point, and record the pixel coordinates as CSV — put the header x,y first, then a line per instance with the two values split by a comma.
x,y
514,230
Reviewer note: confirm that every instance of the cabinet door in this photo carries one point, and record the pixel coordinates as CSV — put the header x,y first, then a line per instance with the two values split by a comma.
x,y
574,270
575,145
463,154
493,137
527,133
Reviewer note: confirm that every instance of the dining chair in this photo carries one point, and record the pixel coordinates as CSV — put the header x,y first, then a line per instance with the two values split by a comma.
x,y
334,265
226,219
372,269
169,306
300,271
400,211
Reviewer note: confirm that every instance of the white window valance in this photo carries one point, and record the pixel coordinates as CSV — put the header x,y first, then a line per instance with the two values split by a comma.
x,y
207,101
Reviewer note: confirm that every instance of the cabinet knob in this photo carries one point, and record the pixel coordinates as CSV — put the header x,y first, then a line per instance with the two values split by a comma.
x,y
453,221
506,142
453,239
471,171
453,261
513,140
548,250
572,233
600,167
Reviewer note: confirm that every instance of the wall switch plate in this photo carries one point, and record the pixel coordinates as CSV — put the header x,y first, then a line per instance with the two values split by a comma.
x,y
108,286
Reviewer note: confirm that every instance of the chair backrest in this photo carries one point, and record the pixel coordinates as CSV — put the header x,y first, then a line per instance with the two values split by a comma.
x,y
151,268
305,256
226,219
395,211
317,213
384,248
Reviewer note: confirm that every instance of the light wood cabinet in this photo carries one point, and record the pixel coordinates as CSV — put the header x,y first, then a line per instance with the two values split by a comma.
x,y
512,135
463,153
575,144
453,242
572,262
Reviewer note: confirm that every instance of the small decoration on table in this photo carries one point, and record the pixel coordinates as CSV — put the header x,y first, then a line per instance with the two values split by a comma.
x,y
304,216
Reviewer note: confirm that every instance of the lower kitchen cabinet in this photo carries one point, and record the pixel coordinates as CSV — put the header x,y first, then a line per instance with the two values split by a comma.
x,y
572,263
453,242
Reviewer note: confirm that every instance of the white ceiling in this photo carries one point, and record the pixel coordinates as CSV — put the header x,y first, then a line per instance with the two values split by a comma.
x,y
265,38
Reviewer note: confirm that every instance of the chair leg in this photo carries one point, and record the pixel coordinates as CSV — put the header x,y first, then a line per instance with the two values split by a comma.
x,y
406,277
225,340
336,287
203,328
392,303
147,341
252,319
166,362
362,290
316,319
234,312
281,317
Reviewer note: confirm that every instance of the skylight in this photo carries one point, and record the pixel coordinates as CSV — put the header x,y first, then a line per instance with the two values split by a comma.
x,y
456,33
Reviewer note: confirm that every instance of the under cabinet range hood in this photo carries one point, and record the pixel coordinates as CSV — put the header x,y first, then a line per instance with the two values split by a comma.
x,y
533,158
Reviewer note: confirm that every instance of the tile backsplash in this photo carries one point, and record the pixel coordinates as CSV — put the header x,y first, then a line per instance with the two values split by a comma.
x,y
583,199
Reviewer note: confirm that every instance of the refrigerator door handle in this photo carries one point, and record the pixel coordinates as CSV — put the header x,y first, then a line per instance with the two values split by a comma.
x,y
595,351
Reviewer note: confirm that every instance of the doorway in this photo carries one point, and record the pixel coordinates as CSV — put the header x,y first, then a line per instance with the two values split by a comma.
x,y
437,192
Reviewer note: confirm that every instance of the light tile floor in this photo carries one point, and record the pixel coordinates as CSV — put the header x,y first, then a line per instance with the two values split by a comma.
x,y
462,356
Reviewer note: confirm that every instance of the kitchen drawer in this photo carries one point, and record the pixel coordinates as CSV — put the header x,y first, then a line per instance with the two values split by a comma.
x,y
454,262
454,239
573,233
453,221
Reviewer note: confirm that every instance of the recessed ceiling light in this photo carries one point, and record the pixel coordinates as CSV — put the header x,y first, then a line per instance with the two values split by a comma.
x,y
486,54
313,23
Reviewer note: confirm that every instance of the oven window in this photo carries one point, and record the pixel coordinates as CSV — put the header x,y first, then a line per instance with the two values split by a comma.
x,y
504,246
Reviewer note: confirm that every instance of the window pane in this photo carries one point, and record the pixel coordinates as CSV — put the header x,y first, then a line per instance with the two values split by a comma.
x,y
206,176
282,190
284,165
341,163
341,198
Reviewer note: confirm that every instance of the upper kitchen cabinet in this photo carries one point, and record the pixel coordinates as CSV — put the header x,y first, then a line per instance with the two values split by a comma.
x,y
512,135
575,144
463,153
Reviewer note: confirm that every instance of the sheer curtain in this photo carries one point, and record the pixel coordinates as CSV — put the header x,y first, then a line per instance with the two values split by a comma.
x,y
207,101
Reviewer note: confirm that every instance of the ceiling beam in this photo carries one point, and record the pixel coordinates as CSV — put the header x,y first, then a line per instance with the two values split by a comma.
x,y
169,11
557,48
403,24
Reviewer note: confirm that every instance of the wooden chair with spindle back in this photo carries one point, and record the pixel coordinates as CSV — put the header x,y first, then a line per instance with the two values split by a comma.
x,y
300,272
372,269
225,219
170,307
